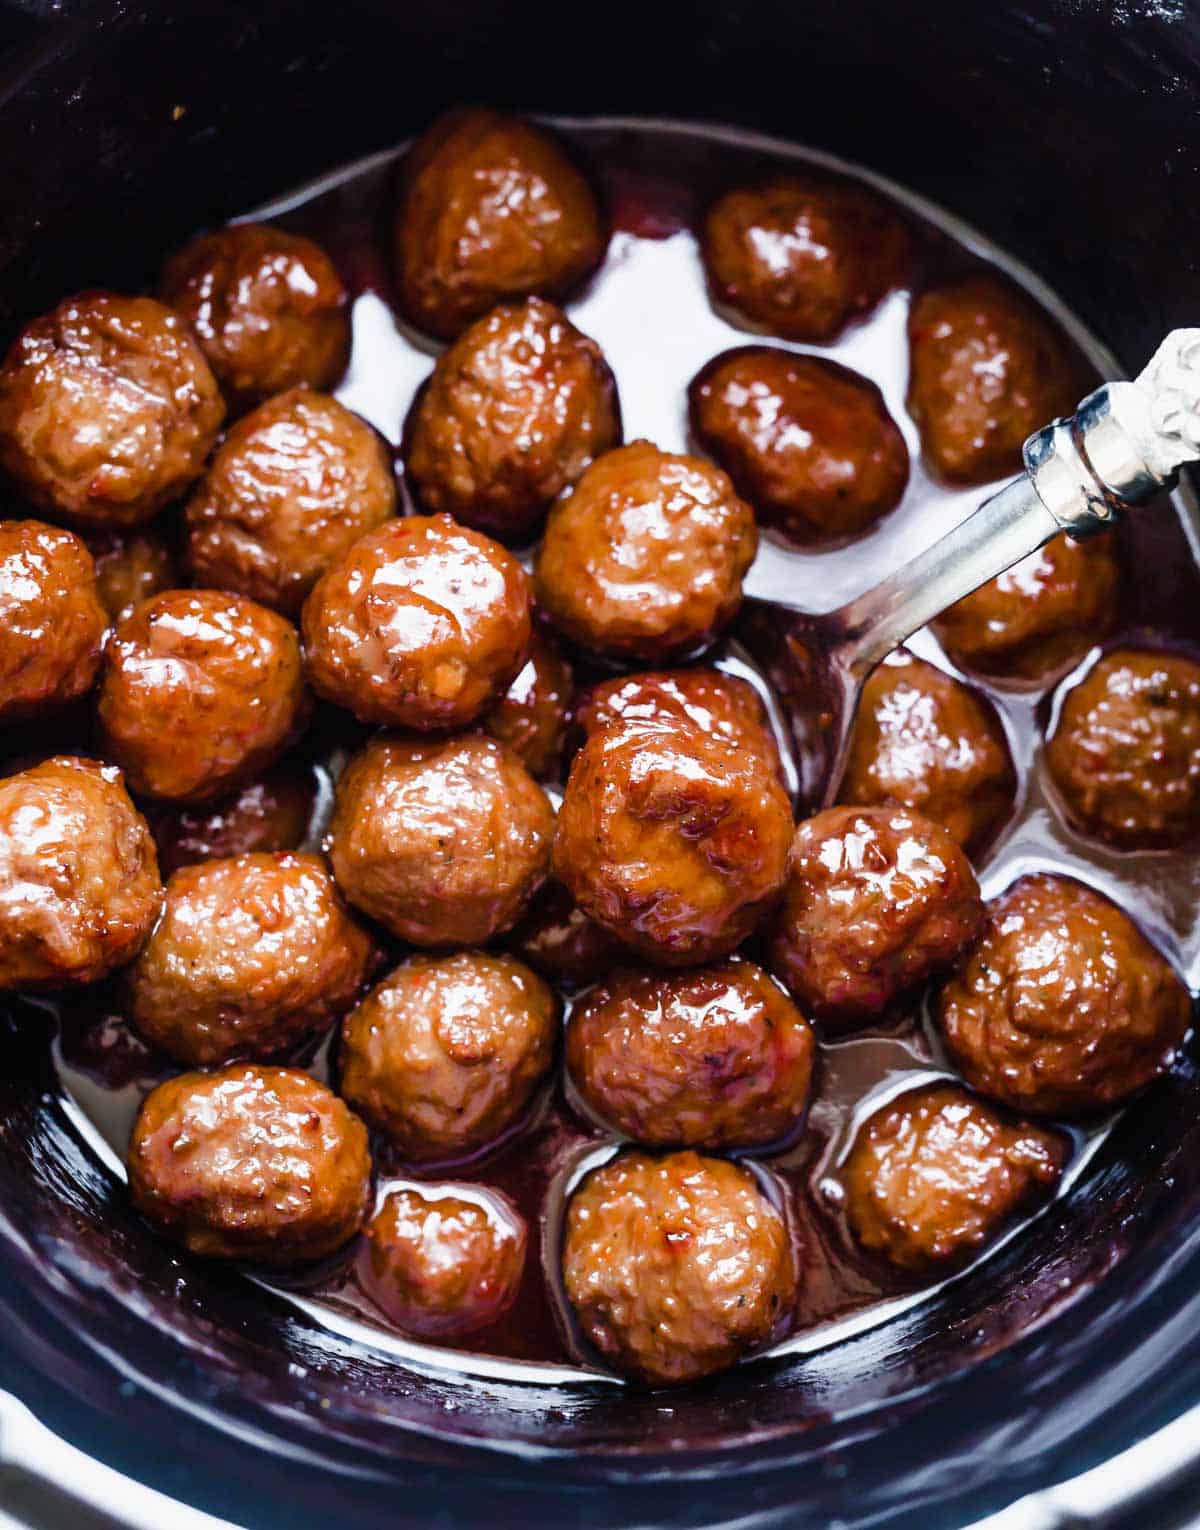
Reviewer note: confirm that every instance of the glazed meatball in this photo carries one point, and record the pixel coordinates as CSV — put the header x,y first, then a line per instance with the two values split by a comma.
x,y
250,1163
131,566
446,1053
268,308
421,624
200,691
936,1174
809,443
291,487
645,558
489,209
444,842
107,409
51,620
531,717
515,411
557,939
677,1266
79,885
877,900
270,813
1064,1007
926,741
673,839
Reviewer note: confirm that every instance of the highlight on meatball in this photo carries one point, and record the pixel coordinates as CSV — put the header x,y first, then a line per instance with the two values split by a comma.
x,y
531,717
556,938
51,620
131,566
272,812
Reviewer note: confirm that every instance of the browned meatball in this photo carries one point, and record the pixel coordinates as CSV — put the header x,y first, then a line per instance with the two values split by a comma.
x,y
444,842
1064,1007
268,307
677,1266
107,409
645,558
79,885
270,813
926,741
421,624
51,619
489,209
531,716
557,939
877,900
516,409
200,691
809,443
131,566
445,1054
250,1163
936,1174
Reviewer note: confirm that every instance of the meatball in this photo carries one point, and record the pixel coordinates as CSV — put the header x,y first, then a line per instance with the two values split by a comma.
x,y
270,813
489,209
51,620
515,411
79,885
421,624
645,558
531,716
877,900
987,370
107,409
936,1174
926,741
1064,1007
444,842
446,1053
131,566
676,1266
809,443
268,308
199,692
250,1163
556,938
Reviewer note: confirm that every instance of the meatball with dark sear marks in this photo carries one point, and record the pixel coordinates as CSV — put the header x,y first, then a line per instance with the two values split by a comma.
x,y
809,443
51,620
645,558
270,813
79,883
556,938
1064,1008
254,1163
131,566
676,1267
445,1054
514,412
531,716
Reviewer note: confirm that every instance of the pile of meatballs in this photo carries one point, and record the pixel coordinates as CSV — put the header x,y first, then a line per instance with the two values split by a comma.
x,y
207,552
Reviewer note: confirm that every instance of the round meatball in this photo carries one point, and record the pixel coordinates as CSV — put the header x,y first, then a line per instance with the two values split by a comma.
x,y
441,1266
987,369
645,558
107,409
557,939
926,741
444,842
200,691
421,624
79,884
676,1266
291,487
250,1163
809,443
935,1174
489,209
515,411
131,566
1064,1007
446,1053
531,717
268,308
51,620
270,813
877,900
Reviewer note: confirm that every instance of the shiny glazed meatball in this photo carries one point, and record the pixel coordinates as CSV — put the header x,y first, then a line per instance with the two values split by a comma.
x,y
645,558
270,813
250,1163
1064,1007
444,842
79,884
489,209
421,624
877,900
677,1266
107,409
515,411
445,1054
268,308
557,939
809,443
290,488
200,691
51,620
131,566
531,716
